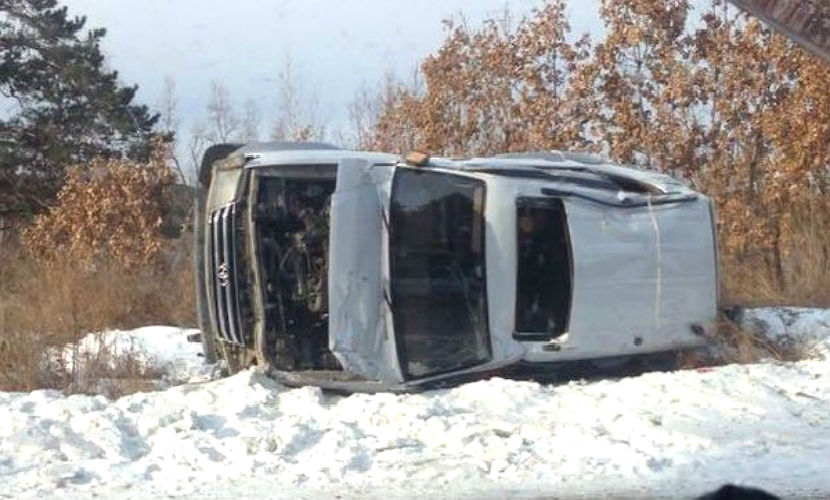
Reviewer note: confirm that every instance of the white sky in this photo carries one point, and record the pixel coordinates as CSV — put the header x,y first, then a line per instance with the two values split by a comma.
x,y
336,46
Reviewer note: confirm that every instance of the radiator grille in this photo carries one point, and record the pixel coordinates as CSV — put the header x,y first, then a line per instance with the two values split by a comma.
x,y
222,249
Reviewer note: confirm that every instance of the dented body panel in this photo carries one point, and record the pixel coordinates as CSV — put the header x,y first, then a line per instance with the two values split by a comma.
x,y
360,324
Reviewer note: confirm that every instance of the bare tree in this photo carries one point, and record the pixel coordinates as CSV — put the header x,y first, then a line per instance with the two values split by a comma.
x,y
365,109
388,117
168,107
222,121
169,123
363,113
251,119
297,113
197,142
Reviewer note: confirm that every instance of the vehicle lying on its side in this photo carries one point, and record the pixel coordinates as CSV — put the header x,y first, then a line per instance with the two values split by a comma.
x,y
359,271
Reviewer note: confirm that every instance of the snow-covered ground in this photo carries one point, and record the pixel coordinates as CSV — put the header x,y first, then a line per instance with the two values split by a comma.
x,y
657,435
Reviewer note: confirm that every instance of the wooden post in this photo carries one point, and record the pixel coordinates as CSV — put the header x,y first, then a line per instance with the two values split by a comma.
x,y
806,22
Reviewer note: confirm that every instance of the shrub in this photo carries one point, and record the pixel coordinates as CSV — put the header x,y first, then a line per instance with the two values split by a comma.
x,y
109,211
96,260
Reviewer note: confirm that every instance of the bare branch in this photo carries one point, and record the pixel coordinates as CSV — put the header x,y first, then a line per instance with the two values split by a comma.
x,y
223,124
250,122
168,107
297,109
196,144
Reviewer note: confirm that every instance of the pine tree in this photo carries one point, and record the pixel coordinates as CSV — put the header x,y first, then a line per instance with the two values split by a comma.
x,y
62,104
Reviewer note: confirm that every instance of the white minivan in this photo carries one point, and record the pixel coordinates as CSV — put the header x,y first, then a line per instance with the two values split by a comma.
x,y
364,271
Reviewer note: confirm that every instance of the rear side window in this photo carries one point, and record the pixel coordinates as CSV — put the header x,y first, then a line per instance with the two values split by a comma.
x,y
543,278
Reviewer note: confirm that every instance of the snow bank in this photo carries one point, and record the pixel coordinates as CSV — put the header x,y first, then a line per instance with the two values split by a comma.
x,y
163,349
658,435
661,434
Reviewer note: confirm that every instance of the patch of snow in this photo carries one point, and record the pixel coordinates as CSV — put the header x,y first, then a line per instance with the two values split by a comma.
x,y
676,434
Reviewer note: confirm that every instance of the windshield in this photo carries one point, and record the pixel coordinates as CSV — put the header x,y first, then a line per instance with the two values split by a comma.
x,y
437,272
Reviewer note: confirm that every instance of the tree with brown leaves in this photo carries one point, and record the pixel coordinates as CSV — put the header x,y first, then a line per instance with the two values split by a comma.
x,y
108,212
719,100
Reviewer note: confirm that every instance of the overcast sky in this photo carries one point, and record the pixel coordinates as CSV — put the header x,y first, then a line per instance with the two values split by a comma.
x,y
336,46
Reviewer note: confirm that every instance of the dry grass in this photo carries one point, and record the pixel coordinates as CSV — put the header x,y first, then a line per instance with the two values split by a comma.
x,y
103,370
751,280
44,307
739,345
733,344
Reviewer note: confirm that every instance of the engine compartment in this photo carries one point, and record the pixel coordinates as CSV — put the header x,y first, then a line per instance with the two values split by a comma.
x,y
292,235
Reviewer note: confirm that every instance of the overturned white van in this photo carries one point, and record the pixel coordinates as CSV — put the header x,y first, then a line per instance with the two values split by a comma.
x,y
362,271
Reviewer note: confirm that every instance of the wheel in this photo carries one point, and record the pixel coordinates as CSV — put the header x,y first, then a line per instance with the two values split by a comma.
x,y
208,336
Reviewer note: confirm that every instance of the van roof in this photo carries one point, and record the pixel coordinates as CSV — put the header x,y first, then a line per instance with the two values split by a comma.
x,y
565,166
576,165
264,154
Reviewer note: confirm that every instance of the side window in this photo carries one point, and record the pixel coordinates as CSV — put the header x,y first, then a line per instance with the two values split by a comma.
x,y
543,278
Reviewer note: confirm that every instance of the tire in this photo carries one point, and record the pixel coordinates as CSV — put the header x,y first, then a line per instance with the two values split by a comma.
x,y
208,335
213,153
